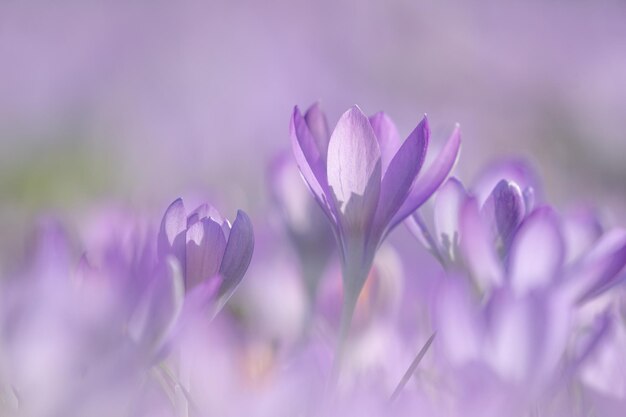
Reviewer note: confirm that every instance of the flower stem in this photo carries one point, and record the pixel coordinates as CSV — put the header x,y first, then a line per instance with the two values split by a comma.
x,y
409,373
353,280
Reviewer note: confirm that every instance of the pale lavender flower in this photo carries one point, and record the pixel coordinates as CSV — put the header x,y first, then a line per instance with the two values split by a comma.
x,y
504,194
499,228
94,337
82,339
517,274
304,221
213,255
366,181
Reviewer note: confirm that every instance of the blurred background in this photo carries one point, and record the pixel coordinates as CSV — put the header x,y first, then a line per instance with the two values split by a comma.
x,y
140,102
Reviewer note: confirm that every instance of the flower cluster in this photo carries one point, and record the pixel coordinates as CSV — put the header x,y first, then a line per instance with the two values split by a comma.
x,y
496,303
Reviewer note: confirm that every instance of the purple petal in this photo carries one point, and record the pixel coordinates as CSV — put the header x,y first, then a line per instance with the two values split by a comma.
x,y
200,212
416,225
402,171
289,193
555,310
603,264
388,138
591,340
206,244
157,312
504,210
459,325
171,238
447,212
50,249
318,125
203,211
238,253
354,173
192,219
427,184
201,298
477,246
515,170
603,369
528,335
309,159
514,335
581,229
537,251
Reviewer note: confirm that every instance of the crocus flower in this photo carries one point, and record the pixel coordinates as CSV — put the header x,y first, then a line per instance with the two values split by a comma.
x,y
475,231
304,221
366,181
531,270
213,255
504,194
84,339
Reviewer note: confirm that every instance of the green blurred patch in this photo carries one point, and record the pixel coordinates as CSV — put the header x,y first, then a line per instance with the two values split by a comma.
x,y
57,174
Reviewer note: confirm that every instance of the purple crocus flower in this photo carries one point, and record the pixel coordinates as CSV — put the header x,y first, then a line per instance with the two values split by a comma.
x,y
531,270
305,224
150,294
366,181
83,340
213,255
481,231
504,194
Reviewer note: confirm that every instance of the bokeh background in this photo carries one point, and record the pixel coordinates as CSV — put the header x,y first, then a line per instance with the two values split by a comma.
x,y
139,102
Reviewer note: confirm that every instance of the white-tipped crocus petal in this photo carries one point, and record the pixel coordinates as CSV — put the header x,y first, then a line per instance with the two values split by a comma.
x,y
388,138
447,212
426,184
477,246
238,253
318,126
354,171
401,173
171,238
205,248
537,252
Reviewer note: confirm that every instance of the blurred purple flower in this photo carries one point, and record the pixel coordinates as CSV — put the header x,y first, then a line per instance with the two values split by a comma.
x,y
499,234
303,219
366,181
82,340
530,269
603,374
504,194
213,255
